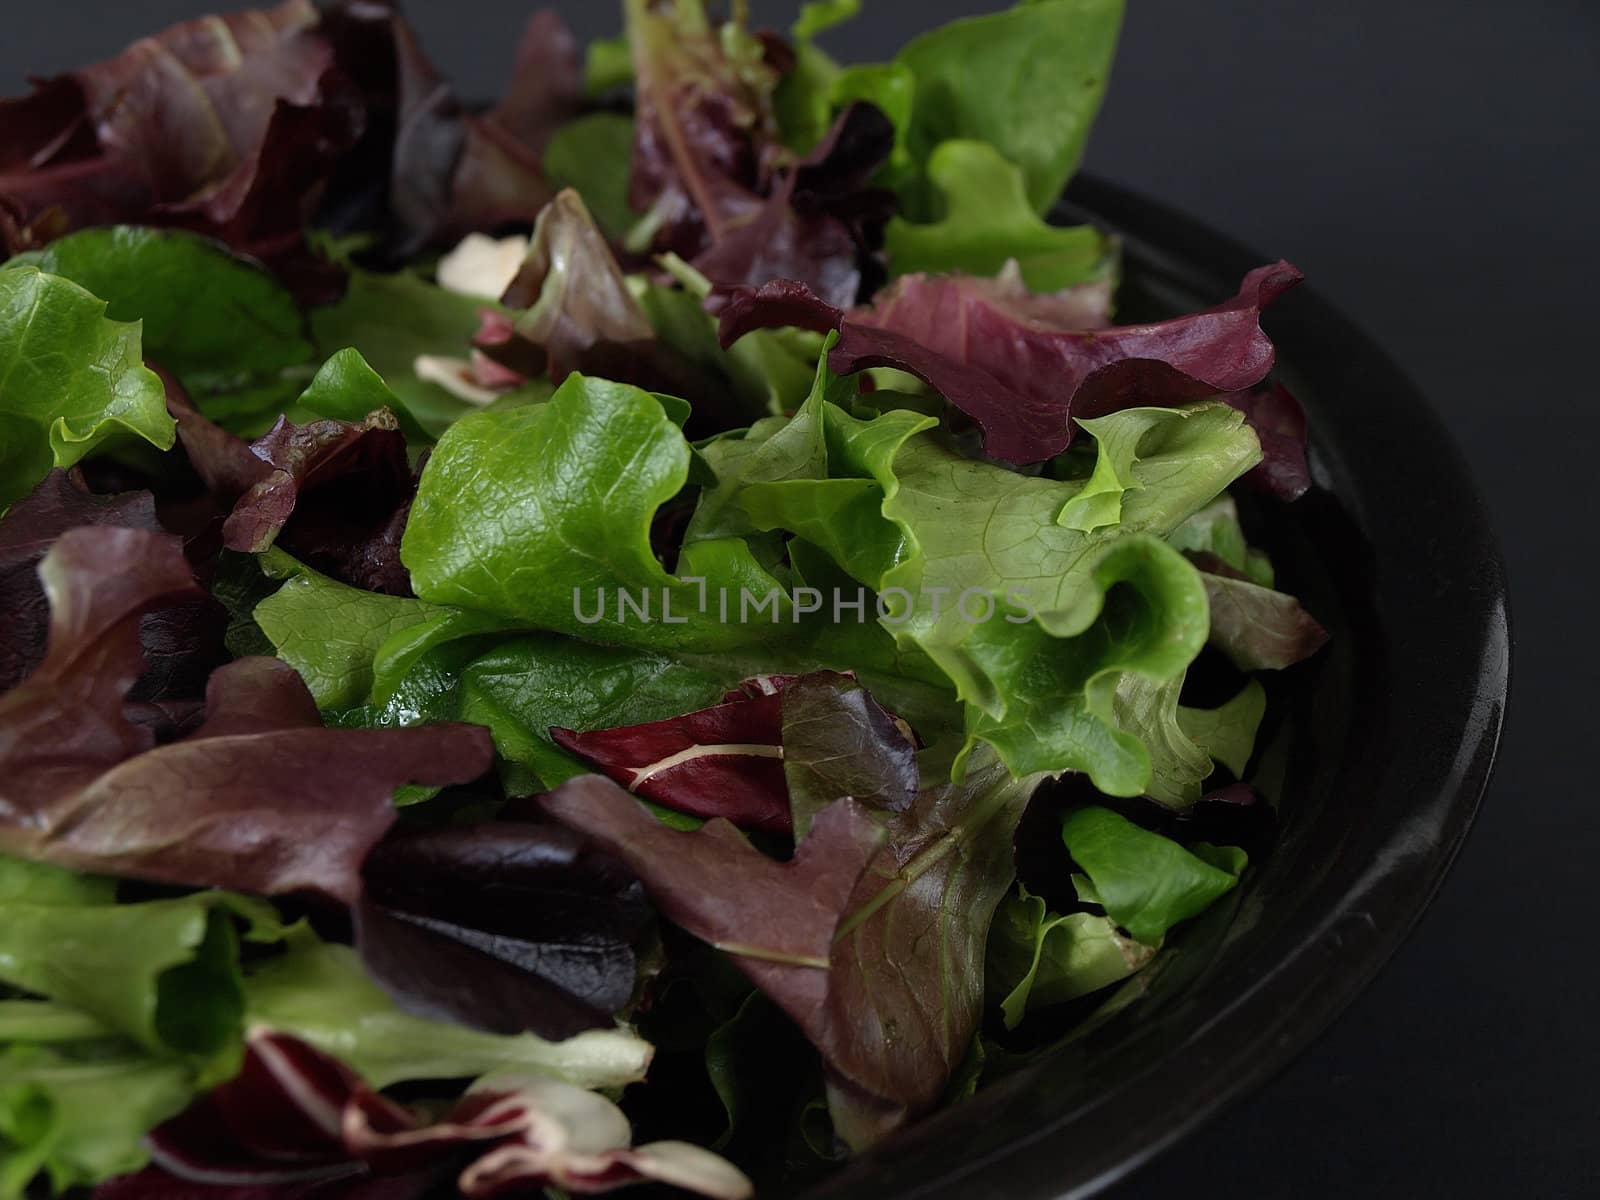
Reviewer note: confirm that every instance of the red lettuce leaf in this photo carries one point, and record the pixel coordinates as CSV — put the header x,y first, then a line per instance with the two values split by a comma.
x,y
575,306
336,495
713,180
776,748
445,170
1021,378
777,920
296,1124
1280,425
1258,628
871,940
259,798
27,531
701,129
822,224
505,927
226,125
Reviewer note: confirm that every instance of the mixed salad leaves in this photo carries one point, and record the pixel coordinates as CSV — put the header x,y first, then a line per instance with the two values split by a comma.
x,y
654,626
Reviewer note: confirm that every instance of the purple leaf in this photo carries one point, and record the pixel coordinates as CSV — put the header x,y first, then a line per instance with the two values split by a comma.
x,y
822,223
225,125
700,130
714,181
1023,381
573,296
1257,628
870,939
1002,359
27,532
336,495
259,798
777,920
1280,425
505,927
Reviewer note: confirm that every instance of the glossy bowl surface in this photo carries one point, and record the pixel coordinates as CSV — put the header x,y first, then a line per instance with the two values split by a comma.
x,y
1379,751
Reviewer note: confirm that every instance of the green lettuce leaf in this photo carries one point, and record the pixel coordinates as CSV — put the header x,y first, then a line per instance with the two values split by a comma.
x,y
1037,958
1228,733
346,388
1028,81
1039,674
592,156
222,324
541,516
71,380
79,1118
1215,529
164,973
320,993
394,319
988,221
1145,882
1183,741
331,633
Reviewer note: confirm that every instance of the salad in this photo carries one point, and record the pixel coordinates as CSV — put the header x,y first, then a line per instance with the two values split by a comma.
x,y
654,632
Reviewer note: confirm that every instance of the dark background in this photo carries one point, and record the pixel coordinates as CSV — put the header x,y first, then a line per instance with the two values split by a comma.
x,y
1432,166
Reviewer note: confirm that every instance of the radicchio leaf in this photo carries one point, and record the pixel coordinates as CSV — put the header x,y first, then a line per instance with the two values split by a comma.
x,y
1022,378
505,927
226,125
774,742
296,1119
1280,425
1258,628
260,798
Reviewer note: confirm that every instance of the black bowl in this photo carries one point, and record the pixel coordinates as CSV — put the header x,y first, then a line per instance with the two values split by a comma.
x,y
1379,754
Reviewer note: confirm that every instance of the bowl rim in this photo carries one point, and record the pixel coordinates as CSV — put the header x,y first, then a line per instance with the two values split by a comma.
x,y
1238,1049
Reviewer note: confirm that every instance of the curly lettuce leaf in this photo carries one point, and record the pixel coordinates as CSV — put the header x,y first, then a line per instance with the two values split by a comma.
x,y
542,516
1145,882
79,1118
1046,632
71,380
989,222
163,973
1037,958
1181,741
